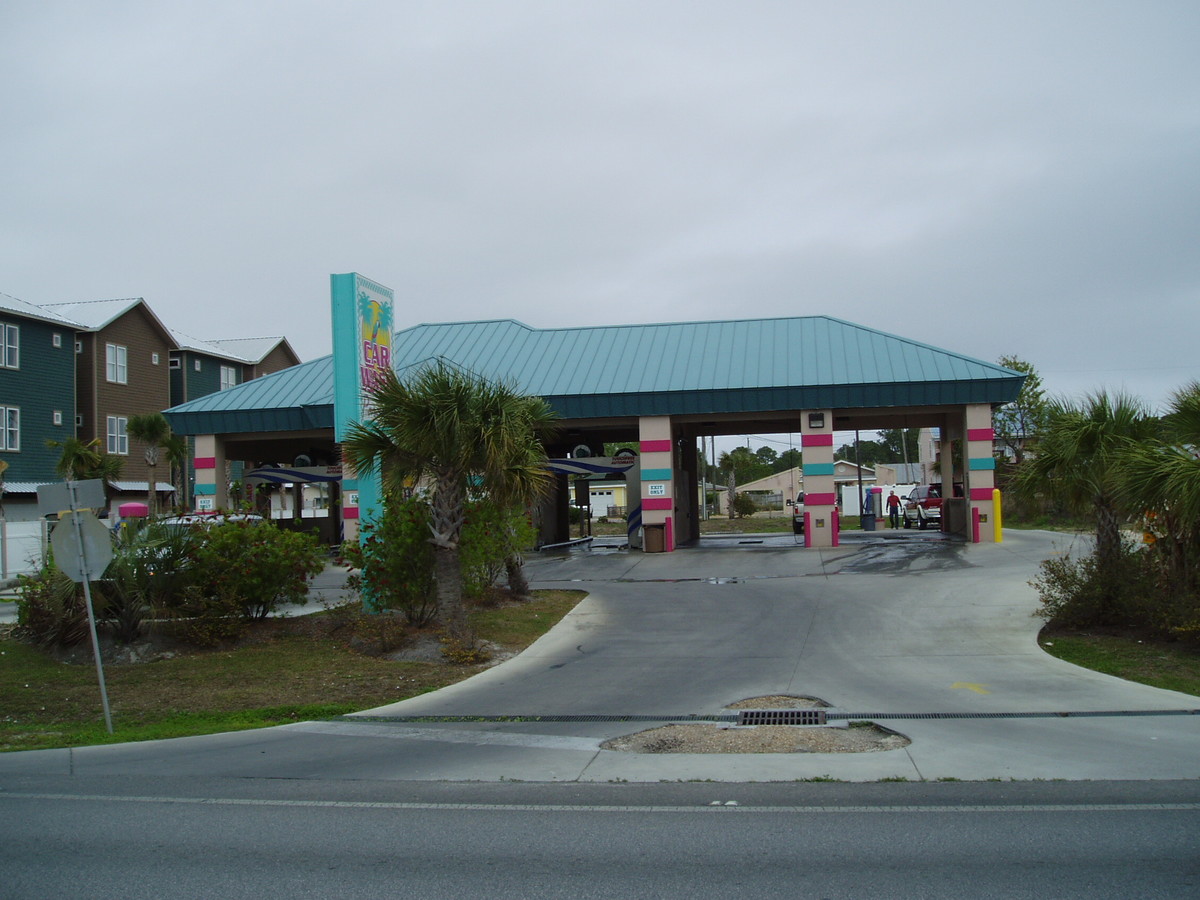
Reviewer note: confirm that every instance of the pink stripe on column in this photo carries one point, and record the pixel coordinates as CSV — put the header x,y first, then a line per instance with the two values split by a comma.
x,y
350,512
656,446
816,440
820,499
205,462
981,493
981,434
658,503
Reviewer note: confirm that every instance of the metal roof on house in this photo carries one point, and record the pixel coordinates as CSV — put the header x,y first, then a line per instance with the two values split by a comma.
x,y
30,311
92,315
243,350
756,365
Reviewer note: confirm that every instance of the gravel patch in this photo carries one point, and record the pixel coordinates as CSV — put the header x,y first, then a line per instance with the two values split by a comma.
x,y
860,737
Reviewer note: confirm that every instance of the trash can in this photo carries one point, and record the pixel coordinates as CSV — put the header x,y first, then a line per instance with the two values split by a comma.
x,y
868,522
654,538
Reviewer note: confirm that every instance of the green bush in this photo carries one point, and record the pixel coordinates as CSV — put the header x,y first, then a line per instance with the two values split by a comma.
x,y
253,567
744,505
394,559
490,537
51,610
149,572
1077,593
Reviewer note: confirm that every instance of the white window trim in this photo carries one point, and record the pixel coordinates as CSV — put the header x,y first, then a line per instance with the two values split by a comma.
x,y
10,352
228,377
116,363
118,438
10,428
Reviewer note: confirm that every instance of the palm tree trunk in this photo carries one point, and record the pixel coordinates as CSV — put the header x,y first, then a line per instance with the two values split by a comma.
x,y
518,584
451,613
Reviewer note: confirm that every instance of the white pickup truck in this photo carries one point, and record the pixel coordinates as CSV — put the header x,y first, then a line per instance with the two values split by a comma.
x,y
797,506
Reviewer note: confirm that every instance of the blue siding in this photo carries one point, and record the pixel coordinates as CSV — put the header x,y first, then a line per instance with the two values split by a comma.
x,y
43,384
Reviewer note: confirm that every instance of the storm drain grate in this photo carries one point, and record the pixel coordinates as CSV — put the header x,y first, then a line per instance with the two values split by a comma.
x,y
763,717
781,717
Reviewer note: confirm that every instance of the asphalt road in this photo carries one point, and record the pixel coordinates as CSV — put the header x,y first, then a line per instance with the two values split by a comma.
x,y
1104,802
148,838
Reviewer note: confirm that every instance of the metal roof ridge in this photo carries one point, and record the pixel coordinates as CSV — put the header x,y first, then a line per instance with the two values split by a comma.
x,y
921,344
625,325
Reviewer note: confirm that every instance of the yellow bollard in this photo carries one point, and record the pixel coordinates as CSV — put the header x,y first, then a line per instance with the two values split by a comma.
x,y
998,524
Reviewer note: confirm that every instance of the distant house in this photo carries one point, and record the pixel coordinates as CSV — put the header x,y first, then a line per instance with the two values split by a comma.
x,y
37,391
199,368
122,352
786,485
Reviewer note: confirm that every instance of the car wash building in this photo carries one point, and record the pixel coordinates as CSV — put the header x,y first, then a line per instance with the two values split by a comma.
x,y
662,388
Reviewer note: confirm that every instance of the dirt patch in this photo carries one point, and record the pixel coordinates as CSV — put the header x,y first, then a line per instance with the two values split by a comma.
x,y
860,737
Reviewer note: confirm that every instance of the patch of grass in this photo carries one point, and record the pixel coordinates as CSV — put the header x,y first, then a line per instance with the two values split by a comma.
x,y
284,670
1173,666
517,626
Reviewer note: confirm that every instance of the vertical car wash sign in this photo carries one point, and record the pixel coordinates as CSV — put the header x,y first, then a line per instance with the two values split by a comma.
x,y
362,351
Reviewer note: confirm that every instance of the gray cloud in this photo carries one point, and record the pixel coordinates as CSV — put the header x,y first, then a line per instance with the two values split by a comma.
x,y
1013,178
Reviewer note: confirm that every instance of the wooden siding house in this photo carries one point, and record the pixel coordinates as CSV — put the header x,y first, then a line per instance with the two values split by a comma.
x,y
37,390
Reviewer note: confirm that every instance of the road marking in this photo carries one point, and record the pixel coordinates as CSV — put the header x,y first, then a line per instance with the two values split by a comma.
x,y
970,686
561,807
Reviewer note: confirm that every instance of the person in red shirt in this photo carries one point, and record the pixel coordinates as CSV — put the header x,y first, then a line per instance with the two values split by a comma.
x,y
893,508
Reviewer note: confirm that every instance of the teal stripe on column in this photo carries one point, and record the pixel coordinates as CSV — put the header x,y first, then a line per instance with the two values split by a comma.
x,y
205,489
817,468
981,465
656,474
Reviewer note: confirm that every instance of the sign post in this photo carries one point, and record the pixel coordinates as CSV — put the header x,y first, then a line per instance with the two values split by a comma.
x,y
82,549
362,351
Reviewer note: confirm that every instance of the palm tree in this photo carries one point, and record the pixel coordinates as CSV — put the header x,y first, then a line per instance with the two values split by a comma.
x,y
83,460
154,431
1162,479
462,435
1078,461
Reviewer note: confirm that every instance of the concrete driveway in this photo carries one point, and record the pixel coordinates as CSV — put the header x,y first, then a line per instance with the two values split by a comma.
x,y
888,628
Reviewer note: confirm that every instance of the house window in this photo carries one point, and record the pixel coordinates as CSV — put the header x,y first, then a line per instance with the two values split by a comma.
x,y
118,440
196,365
56,340
117,363
58,417
10,353
154,358
175,362
79,346
10,428
228,377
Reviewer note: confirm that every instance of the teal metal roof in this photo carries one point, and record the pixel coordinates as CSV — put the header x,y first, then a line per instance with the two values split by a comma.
x,y
755,365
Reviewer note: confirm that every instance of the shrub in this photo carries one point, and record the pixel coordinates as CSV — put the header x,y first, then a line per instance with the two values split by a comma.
x,y
51,610
1082,592
395,561
149,571
253,567
490,538
744,505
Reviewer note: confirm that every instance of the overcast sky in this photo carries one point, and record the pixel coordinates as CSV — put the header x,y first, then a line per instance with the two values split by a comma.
x,y
990,178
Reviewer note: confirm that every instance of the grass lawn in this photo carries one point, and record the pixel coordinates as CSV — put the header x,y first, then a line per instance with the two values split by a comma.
x,y
284,670
1173,666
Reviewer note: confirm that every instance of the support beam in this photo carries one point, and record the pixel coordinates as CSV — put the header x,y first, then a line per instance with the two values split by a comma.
x,y
820,492
658,483
211,490
980,464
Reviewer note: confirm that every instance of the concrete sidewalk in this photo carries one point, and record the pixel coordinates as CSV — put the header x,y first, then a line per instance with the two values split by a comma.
x,y
882,628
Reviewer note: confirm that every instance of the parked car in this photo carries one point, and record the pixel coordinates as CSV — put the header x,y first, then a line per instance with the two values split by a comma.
x,y
797,514
923,505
